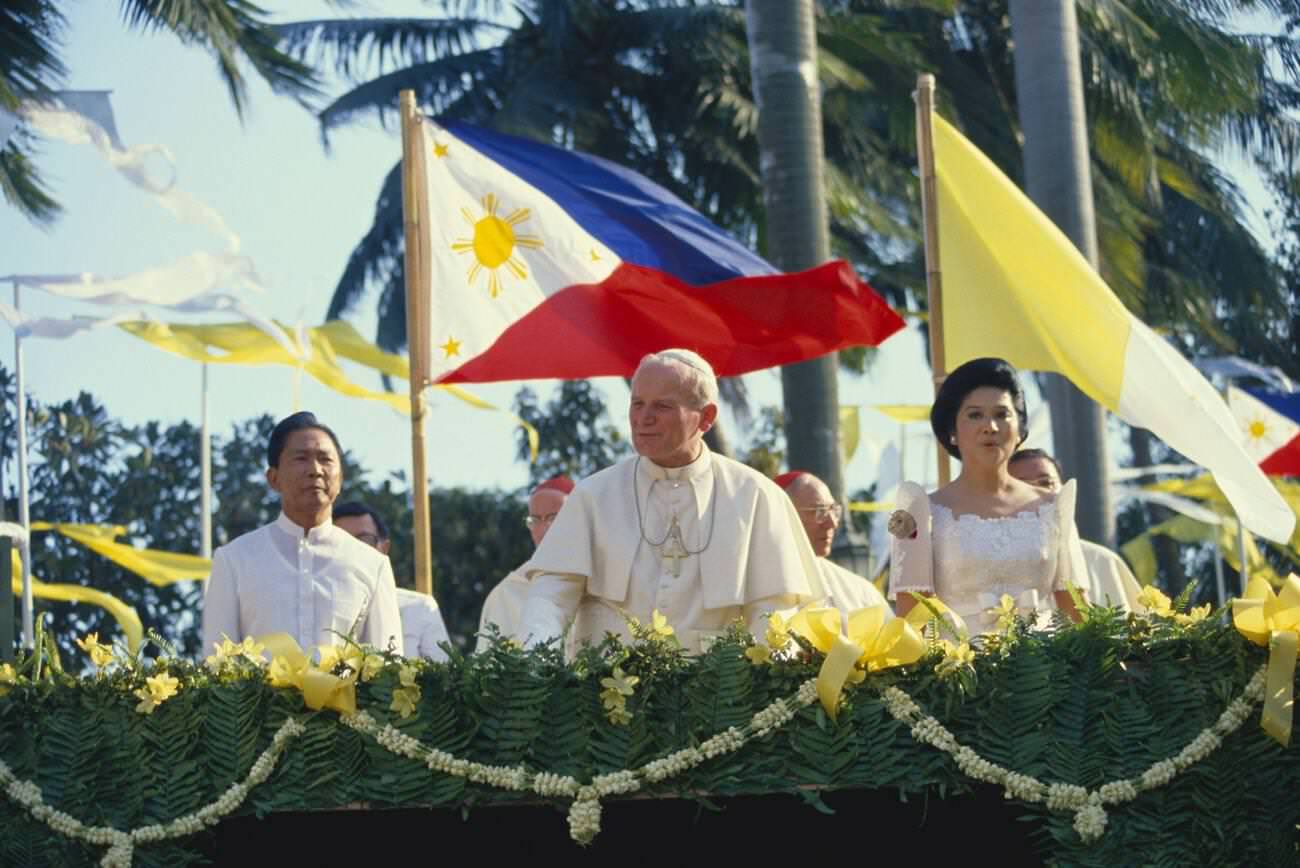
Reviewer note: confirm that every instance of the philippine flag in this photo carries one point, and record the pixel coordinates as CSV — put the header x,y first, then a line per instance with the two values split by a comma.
x,y
1270,424
550,263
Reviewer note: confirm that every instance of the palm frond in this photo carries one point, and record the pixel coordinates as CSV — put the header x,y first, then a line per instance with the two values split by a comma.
x,y
231,31
362,47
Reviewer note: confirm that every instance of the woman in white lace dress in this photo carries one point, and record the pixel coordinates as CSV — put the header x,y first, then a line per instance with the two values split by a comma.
x,y
986,534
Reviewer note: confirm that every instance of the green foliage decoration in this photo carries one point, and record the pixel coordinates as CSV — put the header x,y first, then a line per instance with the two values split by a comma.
x,y
1080,705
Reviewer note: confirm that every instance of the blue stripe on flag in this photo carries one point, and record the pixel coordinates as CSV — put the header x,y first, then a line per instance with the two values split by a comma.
x,y
1285,403
639,220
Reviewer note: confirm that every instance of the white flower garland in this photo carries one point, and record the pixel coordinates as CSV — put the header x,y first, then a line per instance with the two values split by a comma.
x,y
584,812
1088,806
121,845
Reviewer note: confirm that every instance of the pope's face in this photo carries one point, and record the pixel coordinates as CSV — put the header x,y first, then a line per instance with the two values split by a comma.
x,y
665,427
308,476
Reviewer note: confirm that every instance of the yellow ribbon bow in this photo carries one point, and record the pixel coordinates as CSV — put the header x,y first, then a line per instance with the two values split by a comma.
x,y
872,643
290,667
1273,621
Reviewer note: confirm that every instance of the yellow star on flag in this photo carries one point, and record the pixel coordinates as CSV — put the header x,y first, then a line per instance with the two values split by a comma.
x,y
439,150
1256,429
451,348
595,257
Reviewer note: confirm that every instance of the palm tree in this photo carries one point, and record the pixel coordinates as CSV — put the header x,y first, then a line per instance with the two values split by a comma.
x,y
782,43
32,69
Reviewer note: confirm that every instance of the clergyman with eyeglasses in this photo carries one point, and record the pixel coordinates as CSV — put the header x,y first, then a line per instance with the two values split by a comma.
x,y
820,515
701,539
505,603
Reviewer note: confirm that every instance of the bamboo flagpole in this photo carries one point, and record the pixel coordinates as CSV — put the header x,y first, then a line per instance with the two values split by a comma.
x,y
415,218
205,472
930,214
24,496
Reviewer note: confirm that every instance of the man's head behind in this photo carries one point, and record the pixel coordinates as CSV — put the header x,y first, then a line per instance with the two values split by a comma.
x,y
304,464
1037,468
818,512
674,401
363,523
544,505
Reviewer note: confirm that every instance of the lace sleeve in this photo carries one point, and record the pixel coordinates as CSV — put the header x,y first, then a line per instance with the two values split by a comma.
x,y
1071,568
911,560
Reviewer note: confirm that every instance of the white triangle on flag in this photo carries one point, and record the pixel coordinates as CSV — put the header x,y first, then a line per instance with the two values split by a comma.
x,y
1263,429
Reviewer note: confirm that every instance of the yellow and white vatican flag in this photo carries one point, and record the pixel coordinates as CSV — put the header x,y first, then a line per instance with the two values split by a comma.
x,y
1016,287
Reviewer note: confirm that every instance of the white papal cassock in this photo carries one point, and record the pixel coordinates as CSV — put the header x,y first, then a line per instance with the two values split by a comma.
x,y
504,607
847,591
704,544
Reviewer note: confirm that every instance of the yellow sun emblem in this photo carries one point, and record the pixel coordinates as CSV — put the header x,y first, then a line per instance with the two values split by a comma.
x,y
1256,429
494,242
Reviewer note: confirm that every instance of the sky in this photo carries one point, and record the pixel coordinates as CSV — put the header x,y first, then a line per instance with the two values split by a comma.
x,y
299,209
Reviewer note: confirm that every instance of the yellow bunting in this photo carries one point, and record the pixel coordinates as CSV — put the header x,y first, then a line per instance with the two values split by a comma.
x,y
905,412
850,431
156,567
125,616
243,343
870,506
872,643
1273,621
290,667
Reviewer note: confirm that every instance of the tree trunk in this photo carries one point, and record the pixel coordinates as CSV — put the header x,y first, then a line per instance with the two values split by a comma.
x,y
1049,98
783,60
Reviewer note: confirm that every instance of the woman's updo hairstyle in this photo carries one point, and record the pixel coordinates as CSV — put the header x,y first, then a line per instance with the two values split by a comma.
x,y
975,374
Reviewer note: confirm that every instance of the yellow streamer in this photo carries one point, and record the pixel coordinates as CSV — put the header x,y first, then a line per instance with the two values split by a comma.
x,y
290,667
246,344
156,567
869,506
125,616
871,644
1273,621
905,412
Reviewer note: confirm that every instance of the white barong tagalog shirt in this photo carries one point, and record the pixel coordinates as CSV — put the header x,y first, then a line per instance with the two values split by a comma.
x,y
422,625
747,556
312,585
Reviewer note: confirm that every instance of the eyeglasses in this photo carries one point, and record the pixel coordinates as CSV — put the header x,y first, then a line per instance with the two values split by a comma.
x,y
834,511
535,520
368,538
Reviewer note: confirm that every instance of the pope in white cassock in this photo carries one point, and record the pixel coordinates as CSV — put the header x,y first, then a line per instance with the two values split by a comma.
x,y
700,538
302,574
820,516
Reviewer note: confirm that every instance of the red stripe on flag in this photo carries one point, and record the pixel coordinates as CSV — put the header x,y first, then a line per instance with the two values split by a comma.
x,y
739,325
1283,462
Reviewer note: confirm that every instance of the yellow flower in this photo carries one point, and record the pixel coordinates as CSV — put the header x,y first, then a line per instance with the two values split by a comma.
x,y
250,648
619,716
659,625
1155,601
405,700
283,673
157,689
619,682
407,674
330,657
1195,615
8,678
778,631
100,655
371,666
1006,612
759,654
955,658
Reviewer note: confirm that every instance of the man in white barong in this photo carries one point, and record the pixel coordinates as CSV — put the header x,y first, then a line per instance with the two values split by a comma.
x,y
423,630
820,515
301,574
1110,581
701,539
504,606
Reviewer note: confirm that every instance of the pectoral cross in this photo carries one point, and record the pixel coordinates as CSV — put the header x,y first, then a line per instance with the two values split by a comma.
x,y
674,548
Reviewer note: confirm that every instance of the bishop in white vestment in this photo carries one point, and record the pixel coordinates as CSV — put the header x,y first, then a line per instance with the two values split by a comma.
x,y
701,539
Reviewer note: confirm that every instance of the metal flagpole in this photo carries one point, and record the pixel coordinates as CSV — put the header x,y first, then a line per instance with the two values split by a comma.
x,y
1220,588
1241,553
24,516
205,484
